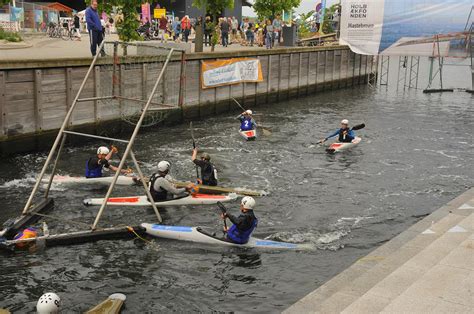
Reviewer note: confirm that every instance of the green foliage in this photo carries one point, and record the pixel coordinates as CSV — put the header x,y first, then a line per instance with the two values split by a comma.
x,y
327,24
3,2
304,27
127,19
10,36
213,7
269,8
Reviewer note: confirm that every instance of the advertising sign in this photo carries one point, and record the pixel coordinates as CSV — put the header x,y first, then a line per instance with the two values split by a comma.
x,y
230,71
406,27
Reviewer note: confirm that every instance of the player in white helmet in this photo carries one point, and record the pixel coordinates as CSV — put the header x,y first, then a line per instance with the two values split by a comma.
x,y
162,185
48,303
346,135
247,122
96,164
244,224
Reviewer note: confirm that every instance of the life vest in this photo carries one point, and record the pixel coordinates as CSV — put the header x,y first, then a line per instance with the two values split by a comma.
x,y
162,194
246,124
28,233
345,139
241,237
94,172
208,175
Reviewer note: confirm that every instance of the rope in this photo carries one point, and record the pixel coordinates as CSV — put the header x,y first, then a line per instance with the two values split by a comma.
x,y
148,242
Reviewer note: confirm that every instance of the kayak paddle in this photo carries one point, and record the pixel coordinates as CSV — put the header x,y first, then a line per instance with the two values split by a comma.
x,y
194,146
223,210
355,128
266,131
129,170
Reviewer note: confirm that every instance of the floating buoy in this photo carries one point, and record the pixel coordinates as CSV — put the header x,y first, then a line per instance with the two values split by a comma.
x,y
28,233
48,303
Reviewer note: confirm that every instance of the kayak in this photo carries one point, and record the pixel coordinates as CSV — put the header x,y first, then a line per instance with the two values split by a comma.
x,y
142,201
248,135
112,305
339,147
121,180
201,235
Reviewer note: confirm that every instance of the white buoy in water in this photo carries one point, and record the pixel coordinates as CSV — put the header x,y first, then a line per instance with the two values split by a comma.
x,y
48,303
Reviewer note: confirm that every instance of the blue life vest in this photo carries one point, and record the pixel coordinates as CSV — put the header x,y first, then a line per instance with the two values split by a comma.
x,y
241,237
346,139
95,172
246,124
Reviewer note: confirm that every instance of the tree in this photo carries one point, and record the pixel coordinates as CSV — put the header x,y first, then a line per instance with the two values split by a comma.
x,y
269,8
213,7
127,20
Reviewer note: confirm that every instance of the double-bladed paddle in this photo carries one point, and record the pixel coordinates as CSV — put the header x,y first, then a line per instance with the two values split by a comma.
x,y
355,128
223,210
194,145
266,131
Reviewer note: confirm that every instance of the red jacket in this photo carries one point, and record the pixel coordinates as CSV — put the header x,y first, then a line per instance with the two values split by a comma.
x,y
185,23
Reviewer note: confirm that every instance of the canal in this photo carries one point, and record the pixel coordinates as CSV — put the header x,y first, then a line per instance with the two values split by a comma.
x,y
416,153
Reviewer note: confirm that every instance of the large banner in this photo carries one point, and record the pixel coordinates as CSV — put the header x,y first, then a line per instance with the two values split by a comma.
x,y
146,14
406,27
230,71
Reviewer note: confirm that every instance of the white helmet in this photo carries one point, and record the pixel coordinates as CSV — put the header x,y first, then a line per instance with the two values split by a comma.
x,y
163,166
249,112
49,303
345,121
248,202
103,150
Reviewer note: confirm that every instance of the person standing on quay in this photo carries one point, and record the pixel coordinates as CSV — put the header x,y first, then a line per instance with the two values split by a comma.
x,y
186,27
95,28
225,27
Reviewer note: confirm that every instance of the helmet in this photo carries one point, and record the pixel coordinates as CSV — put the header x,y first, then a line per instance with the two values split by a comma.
x,y
249,112
248,202
164,166
103,150
48,303
345,121
206,156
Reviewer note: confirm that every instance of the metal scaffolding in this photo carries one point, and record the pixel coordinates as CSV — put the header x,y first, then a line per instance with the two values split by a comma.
x,y
144,101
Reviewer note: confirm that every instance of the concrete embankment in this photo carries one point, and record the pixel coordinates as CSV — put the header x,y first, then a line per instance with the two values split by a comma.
x,y
36,94
428,268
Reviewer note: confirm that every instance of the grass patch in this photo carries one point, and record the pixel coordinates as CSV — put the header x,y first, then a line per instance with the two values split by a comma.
x,y
10,36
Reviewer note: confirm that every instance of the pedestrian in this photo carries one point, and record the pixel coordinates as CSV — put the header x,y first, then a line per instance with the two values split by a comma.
x,y
208,30
335,20
277,26
186,27
317,19
269,34
249,34
162,28
77,26
225,28
234,23
176,27
95,28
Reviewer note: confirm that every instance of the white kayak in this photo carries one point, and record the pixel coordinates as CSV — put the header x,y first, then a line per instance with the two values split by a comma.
x,y
121,180
142,201
248,135
339,147
201,235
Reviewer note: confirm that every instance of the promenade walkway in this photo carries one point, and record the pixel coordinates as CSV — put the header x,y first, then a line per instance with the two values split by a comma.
x,y
429,268
42,47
